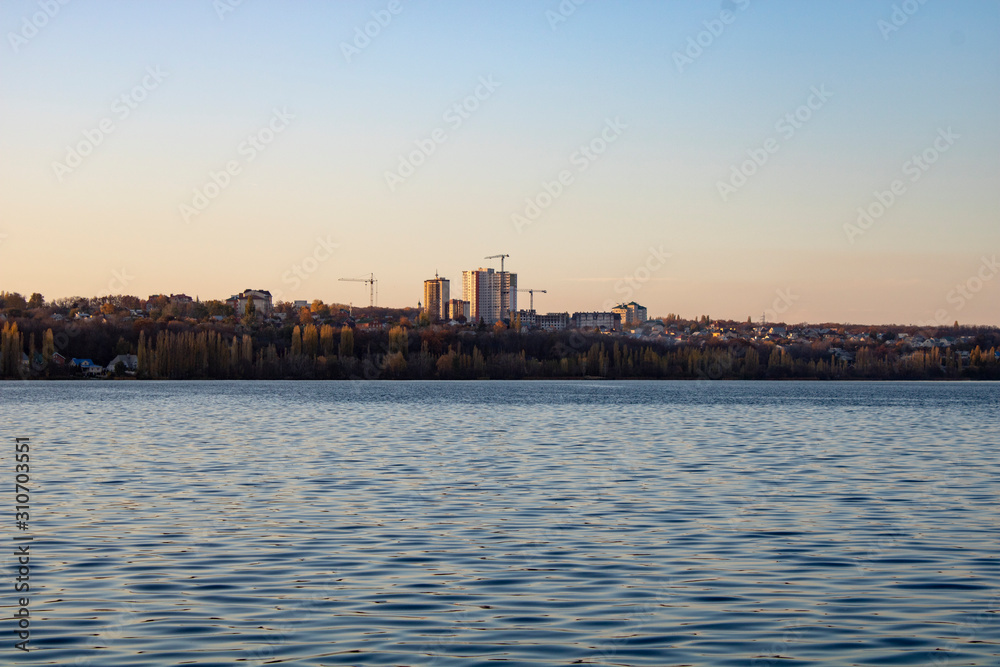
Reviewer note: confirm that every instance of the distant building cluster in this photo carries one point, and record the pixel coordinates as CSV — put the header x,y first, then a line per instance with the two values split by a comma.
x,y
490,296
869,351
160,299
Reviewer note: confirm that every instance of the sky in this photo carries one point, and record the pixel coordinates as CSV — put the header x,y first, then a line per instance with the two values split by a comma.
x,y
823,161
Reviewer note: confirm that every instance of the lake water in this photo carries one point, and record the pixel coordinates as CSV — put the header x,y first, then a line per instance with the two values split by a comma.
x,y
508,523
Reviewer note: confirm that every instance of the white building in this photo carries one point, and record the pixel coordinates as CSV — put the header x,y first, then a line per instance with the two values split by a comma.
x,y
261,301
605,321
552,321
527,318
631,313
492,295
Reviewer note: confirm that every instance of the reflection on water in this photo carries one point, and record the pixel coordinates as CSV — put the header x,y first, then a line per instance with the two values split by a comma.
x,y
520,523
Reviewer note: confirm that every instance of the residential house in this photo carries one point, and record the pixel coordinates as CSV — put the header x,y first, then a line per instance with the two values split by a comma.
x,y
130,361
261,301
87,366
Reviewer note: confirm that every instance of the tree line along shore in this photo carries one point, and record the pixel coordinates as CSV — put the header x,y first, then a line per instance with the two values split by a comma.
x,y
166,347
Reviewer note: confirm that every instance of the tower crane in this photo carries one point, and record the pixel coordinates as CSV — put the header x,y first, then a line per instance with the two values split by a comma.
x,y
495,257
531,295
372,282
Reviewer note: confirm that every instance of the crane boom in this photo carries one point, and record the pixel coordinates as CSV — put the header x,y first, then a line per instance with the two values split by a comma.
x,y
501,257
371,281
531,294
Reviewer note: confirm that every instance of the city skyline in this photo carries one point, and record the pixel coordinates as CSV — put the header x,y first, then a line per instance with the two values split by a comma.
x,y
831,163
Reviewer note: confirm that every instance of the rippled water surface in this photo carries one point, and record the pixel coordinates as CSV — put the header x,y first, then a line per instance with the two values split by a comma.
x,y
515,523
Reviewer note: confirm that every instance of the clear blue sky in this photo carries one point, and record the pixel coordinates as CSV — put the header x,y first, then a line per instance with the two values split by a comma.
x,y
674,131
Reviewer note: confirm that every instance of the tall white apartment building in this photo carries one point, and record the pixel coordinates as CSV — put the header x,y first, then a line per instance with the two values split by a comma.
x,y
492,295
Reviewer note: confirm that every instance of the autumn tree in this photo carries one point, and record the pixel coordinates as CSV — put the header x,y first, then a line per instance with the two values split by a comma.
x,y
48,345
751,364
346,342
398,340
11,349
216,307
310,340
12,300
326,342
319,308
249,312
395,365
246,352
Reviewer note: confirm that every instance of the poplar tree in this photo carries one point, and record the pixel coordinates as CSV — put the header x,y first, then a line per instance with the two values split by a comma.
x,y
326,339
346,342
48,348
310,340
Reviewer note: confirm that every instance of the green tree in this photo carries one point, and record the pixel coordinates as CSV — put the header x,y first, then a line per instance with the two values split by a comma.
x,y
398,340
36,301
